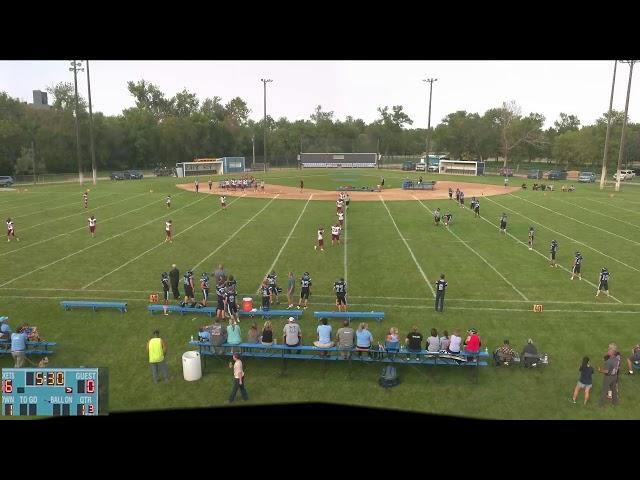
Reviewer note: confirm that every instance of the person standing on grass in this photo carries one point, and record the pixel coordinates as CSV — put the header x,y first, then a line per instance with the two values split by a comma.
x,y
603,282
585,382
553,251
204,286
577,263
341,218
167,231
11,231
441,288
223,202
305,290
461,199
346,202
266,295
168,201
164,279
532,234
85,199
610,371
174,277
436,217
291,285
273,287
506,181
476,208
187,281
210,183
301,185
92,226
450,193
320,240
447,219
340,288
197,185
19,347
157,349
503,223
220,273
335,234
238,379
230,299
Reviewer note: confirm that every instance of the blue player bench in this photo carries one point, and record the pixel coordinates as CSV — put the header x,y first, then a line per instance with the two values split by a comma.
x,y
70,304
271,313
378,316
33,348
211,311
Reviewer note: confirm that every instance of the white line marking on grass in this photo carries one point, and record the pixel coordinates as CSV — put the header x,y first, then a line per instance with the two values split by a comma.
x,y
610,217
83,213
287,240
80,228
524,297
544,256
408,248
576,220
233,235
95,245
158,245
610,205
563,235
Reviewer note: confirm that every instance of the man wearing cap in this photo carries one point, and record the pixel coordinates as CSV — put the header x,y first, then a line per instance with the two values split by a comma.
x,y
292,335
157,349
174,276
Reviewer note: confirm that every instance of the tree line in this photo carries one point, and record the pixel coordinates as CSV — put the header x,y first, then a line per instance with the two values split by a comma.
x,y
159,130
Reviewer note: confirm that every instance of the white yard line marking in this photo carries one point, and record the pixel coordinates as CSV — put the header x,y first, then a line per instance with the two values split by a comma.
x,y
95,245
86,212
81,228
576,220
615,206
158,245
233,235
287,240
546,258
563,235
524,297
610,217
408,248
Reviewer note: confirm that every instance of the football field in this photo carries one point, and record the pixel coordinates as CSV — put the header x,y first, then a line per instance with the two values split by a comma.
x,y
391,255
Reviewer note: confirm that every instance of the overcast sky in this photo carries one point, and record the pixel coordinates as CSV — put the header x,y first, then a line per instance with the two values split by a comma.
x,y
355,88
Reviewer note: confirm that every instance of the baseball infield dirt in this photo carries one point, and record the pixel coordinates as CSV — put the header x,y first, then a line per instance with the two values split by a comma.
x,y
294,193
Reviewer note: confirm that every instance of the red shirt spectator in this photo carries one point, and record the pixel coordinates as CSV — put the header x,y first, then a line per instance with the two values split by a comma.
x,y
472,343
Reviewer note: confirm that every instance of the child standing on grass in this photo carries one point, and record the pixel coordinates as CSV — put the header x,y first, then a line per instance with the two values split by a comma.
x,y
585,382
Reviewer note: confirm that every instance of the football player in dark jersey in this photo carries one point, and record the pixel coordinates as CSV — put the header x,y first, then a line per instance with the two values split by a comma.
x,y
230,299
221,291
577,263
603,281
273,288
341,295
532,234
447,219
476,208
305,290
204,286
553,251
187,281
503,223
164,278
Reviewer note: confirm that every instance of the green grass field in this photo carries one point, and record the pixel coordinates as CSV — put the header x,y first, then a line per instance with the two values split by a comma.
x,y
493,282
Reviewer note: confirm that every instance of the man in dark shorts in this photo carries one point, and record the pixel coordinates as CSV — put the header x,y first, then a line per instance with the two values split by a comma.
x,y
221,291
266,295
503,223
447,219
305,290
164,279
174,277
436,217
340,288
301,185
230,299
457,195
271,280
603,281
577,263
461,199
210,183
450,193
204,286
347,200
553,250
382,184
187,282
476,208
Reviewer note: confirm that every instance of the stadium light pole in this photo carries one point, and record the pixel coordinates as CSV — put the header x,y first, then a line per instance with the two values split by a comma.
x,y
253,149
624,122
603,175
93,151
264,83
75,67
430,82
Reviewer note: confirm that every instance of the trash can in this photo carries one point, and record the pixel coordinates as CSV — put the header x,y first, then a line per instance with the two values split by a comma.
x,y
247,304
191,366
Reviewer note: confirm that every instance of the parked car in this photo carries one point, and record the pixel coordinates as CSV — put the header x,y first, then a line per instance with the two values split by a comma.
x,y
506,172
433,168
117,176
6,181
587,177
535,174
629,174
637,172
163,172
133,174
557,175
408,165
421,167
623,177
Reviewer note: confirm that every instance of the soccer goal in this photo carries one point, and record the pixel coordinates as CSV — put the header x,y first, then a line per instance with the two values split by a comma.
x,y
461,167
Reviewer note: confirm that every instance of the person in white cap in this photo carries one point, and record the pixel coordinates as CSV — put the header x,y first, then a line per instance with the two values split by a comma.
x,y
292,335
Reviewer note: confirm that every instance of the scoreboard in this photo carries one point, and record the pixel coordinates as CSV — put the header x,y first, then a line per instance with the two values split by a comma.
x,y
54,391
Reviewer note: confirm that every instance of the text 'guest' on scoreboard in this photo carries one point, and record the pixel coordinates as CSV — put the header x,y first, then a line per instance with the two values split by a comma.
x,y
55,391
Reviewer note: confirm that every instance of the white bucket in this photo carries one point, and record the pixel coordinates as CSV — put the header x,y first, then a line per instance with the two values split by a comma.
x,y
191,366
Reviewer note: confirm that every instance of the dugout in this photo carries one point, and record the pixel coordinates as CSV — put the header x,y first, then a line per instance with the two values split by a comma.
x,y
460,167
211,166
338,160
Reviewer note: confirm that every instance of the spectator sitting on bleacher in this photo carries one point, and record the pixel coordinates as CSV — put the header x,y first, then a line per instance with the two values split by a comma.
x,y
530,355
413,342
254,335
5,329
504,354
324,336
345,337
363,339
218,335
444,341
634,359
31,332
455,342
204,335
267,333
392,336
433,342
472,342
292,334
233,333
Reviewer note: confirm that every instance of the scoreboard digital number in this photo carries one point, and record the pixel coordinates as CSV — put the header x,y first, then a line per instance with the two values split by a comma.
x,y
54,391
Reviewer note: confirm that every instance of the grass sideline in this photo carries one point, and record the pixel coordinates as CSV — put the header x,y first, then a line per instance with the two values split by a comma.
x,y
382,275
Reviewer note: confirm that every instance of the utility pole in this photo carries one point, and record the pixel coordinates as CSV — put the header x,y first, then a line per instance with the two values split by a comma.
x,y
253,147
75,69
624,122
33,153
264,82
603,175
93,152
430,82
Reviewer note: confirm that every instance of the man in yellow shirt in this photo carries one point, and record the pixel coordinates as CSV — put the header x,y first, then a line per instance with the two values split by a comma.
x,y
157,349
